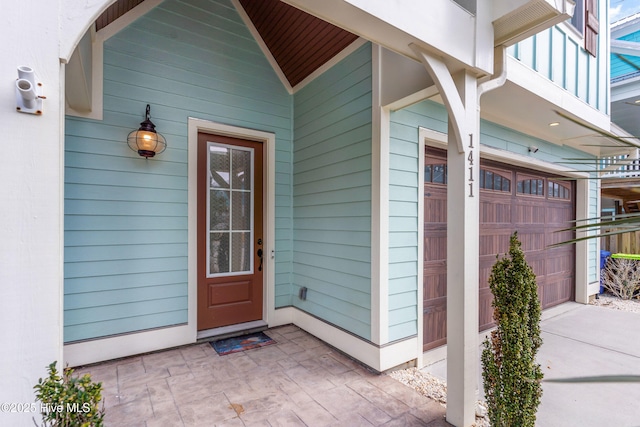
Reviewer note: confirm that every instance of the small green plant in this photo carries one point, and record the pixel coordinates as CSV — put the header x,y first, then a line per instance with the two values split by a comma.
x,y
510,372
66,401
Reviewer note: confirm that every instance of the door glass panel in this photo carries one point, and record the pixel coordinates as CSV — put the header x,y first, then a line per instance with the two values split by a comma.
x,y
241,170
219,210
241,256
241,210
219,166
219,253
230,215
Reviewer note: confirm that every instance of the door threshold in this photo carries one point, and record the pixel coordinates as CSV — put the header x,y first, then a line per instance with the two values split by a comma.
x,y
231,330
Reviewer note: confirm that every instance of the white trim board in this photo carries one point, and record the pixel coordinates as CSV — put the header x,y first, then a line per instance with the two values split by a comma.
x,y
378,358
109,348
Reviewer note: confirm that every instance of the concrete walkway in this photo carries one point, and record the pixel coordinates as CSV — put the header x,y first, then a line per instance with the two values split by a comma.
x,y
299,381
579,342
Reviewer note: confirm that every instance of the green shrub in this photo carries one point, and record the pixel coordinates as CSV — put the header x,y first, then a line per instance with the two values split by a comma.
x,y
510,372
67,401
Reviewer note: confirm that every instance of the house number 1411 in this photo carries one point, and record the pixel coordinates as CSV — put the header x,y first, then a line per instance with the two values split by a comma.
x,y
470,163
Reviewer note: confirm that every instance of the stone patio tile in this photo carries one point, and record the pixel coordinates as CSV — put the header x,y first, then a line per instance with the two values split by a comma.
x,y
345,378
313,414
238,391
131,413
287,363
441,422
167,408
310,381
422,407
166,421
130,368
143,378
159,391
352,419
162,359
266,403
208,411
311,353
276,335
240,365
223,370
290,348
196,351
378,398
133,392
267,355
285,418
179,370
406,420
234,422
334,366
308,342
185,392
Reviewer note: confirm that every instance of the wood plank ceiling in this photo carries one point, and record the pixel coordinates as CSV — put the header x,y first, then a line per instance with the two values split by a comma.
x,y
299,43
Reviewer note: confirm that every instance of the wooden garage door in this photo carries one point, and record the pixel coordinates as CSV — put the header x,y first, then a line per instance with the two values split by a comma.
x,y
533,203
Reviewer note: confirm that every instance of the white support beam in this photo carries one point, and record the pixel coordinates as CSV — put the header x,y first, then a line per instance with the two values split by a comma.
x,y
460,93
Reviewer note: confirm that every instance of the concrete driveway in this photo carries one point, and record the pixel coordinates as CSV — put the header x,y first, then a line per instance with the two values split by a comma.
x,y
589,341
581,342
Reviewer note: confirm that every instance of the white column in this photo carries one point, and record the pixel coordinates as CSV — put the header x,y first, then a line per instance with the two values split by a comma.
x,y
31,217
460,93
463,257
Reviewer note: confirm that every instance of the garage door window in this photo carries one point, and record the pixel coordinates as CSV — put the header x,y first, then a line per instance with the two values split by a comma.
x,y
559,191
531,186
436,173
495,180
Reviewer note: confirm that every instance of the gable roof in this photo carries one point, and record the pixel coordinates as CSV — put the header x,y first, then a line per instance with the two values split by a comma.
x,y
299,43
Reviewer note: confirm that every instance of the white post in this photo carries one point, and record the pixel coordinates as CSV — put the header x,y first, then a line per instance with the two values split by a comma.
x,y
460,93
463,257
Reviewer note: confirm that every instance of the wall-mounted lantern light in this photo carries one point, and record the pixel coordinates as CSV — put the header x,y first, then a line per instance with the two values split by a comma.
x,y
146,141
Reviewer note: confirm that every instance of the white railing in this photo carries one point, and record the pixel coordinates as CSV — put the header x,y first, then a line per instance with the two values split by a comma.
x,y
627,169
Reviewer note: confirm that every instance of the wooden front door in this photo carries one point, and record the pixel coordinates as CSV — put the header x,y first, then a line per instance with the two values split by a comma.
x,y
230,245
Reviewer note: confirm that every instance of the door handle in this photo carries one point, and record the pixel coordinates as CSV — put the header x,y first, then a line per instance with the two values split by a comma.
x,y
260,256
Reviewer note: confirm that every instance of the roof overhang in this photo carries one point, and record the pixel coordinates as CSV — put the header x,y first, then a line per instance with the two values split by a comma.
x,y
515,21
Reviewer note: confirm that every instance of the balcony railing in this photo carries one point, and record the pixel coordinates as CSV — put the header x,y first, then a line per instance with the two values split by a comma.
x,y
627,169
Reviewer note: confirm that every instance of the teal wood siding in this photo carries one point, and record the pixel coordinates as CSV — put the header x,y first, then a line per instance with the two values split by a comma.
x,y
620,68
404,266
332,195
125,263
558,54
404,178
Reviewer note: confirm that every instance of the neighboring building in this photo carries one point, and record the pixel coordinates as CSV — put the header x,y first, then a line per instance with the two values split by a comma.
x,y
313,149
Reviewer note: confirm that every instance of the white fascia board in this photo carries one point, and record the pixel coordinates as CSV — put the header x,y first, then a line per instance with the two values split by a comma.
x,y
625,89
625,26
532,81
624,47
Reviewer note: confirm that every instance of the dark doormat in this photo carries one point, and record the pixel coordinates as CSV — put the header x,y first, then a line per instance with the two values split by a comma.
x,y
242,343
